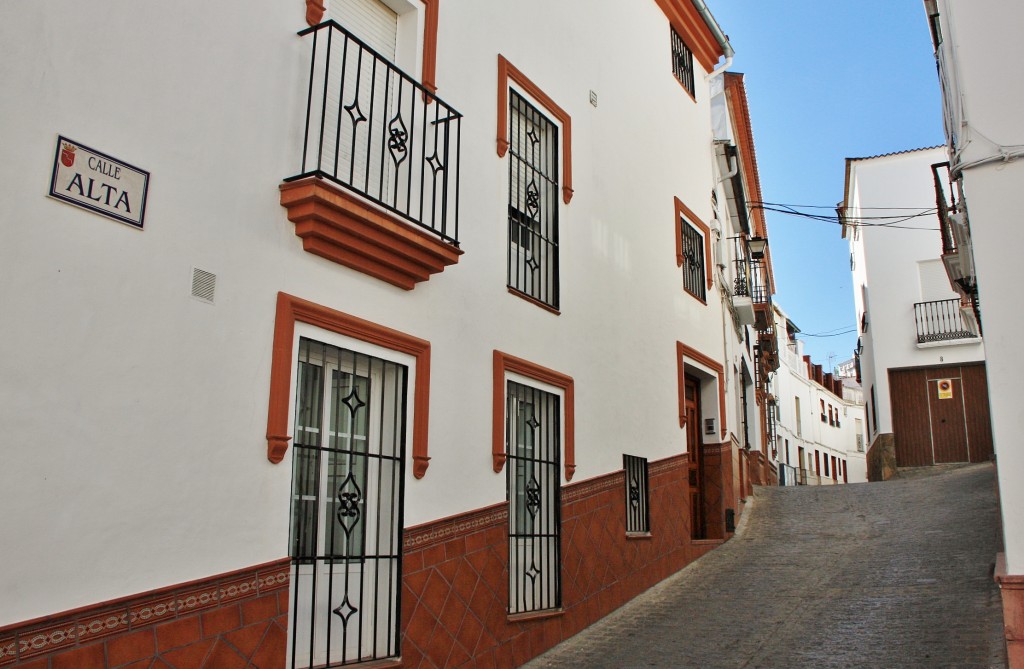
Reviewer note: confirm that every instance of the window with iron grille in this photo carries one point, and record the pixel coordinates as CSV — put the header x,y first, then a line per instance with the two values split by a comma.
x,y
533,448
693,260
682,63
532,202
346,509
638,514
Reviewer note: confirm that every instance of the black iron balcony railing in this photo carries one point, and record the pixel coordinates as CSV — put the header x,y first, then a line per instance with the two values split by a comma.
x,y
741,262
372,129
940,320
759,289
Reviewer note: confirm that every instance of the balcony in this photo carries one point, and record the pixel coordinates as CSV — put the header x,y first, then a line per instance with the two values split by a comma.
x,y
742,298
943,321
378,185
957,254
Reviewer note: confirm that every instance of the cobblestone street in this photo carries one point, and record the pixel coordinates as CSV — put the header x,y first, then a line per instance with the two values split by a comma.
x,y
894,574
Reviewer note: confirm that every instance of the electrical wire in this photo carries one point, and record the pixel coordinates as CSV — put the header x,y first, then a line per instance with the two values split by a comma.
x,y
860,221
834,334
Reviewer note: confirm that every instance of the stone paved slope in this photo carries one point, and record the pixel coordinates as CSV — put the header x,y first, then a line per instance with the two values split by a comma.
x,y
887,575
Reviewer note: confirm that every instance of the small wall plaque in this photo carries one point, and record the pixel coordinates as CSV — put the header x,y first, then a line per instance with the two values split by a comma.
x,y
100,183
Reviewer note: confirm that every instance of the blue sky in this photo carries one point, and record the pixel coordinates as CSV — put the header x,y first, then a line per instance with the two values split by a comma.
x,y
827,80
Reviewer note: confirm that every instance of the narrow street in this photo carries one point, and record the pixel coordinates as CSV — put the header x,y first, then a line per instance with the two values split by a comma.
x,y
894,574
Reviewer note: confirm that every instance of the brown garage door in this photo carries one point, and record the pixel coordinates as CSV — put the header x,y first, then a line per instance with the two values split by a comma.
x,y
940,414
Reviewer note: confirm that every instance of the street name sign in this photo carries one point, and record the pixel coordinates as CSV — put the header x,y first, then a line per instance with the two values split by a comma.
x,y
100,183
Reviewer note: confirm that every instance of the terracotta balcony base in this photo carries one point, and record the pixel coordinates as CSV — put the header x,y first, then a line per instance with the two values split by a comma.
x,y
342,228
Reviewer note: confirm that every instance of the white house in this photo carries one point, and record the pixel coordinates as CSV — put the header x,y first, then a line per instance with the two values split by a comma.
x,y
381,331
820,420
920,350
974,42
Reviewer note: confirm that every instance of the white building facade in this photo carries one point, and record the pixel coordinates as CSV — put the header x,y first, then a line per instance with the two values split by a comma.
x,y
984,146
820,420
920,351
372,332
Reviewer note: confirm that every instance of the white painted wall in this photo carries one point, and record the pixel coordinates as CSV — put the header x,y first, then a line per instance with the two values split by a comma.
x,y
886,280
975,51
135,416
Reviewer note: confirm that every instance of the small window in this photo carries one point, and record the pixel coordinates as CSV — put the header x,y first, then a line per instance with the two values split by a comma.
x,y
824,416
799,429
682,63
638,519
693,260
826,465
831,417
532,203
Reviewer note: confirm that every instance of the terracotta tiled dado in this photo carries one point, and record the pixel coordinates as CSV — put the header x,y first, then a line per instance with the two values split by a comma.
x,y
222,621
454,605
454,598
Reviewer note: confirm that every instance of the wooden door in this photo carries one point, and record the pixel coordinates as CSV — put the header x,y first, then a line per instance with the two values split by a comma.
x,y
911,424
698,528
948,423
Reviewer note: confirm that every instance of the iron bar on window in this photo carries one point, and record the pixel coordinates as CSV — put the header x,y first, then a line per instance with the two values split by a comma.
x,y
682,63
347,501
374,130
532,202
693,261
638,518
533,446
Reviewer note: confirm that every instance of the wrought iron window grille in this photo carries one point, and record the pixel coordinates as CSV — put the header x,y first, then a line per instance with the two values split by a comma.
x,y
346,511
638,519
682,63
374,130
532,202
533,447
693,260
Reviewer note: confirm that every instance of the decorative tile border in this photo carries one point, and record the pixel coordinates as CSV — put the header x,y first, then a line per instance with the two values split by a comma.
x,y
437,532
669,464
53,633
440,531
591,487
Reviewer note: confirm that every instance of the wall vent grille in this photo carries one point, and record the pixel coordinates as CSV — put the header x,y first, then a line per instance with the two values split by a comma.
x,y
204,285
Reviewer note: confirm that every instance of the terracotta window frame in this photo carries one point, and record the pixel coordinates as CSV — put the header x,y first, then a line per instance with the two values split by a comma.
x,y
292,310
505,363
687,21
507,72
685,214
682,353
315,14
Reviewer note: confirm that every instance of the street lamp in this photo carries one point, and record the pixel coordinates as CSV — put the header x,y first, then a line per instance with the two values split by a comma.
x,y
757,246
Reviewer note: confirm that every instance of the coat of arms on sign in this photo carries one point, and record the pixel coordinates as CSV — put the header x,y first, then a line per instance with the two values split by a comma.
x,y
67,154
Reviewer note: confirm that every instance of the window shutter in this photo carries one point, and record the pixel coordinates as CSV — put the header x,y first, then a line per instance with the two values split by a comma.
x,y
934,281
371,21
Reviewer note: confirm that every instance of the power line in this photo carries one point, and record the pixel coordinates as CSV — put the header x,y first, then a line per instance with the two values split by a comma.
x,y
834,334
860,221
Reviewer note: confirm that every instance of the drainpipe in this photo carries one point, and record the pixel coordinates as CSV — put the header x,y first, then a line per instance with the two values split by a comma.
x,y
731,160
723,41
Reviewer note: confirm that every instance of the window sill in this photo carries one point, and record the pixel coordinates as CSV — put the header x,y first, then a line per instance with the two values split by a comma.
x,y
344,229
535,615
635,536
534,301
696,297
